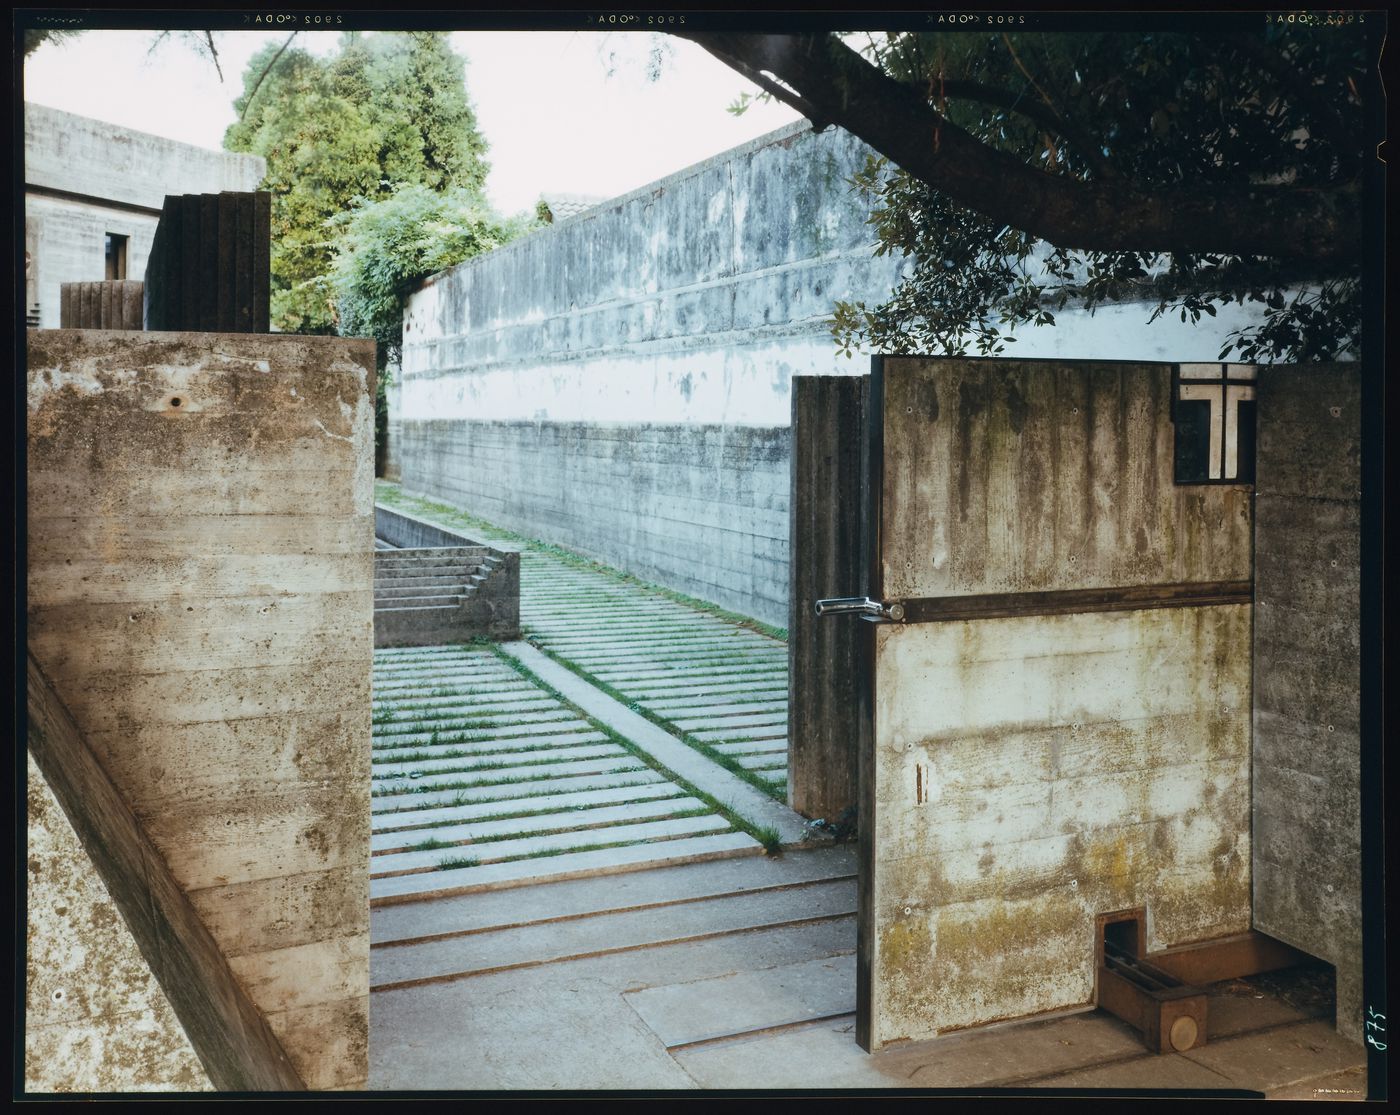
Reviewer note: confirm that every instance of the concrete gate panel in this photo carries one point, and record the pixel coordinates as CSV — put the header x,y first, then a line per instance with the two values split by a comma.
x,y
1061,721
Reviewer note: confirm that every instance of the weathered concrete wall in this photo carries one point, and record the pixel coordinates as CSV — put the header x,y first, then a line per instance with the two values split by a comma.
x,y
1031,771
1307,748
702,508
85,178
199,551
115,1033
688,303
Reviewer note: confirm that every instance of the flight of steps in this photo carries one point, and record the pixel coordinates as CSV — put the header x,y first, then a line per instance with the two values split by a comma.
x,y
421,596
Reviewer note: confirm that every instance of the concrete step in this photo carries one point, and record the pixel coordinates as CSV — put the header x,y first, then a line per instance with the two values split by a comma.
x,y
569,865
423,599
599,934
635,891
445,723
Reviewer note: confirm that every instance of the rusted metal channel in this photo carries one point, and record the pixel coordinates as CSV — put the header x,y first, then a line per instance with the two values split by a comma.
x,y
1162,995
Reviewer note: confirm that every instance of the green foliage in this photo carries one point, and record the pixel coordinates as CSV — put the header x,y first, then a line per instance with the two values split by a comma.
x,y
384,247
1159,111
384,112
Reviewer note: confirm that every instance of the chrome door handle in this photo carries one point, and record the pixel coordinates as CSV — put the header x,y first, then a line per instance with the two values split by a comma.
x,y
860,606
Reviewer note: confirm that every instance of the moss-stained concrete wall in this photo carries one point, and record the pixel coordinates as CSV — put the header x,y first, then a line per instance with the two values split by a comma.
x,y
95,1018
200,595
1054,759
1307,742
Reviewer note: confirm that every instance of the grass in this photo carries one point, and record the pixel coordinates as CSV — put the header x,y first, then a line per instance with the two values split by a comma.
x,y
457,861
712,804
392,495
732,765
430,845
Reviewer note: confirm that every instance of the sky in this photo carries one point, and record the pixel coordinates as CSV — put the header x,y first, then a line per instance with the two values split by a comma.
x,y
562,111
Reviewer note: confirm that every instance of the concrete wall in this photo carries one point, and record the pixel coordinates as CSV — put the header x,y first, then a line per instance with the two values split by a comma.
x,y
85,178
1049,762
545,384
1307,747
81,1034
199,553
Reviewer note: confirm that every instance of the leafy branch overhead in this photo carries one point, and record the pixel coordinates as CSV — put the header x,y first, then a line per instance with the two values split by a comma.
x,y
1022,172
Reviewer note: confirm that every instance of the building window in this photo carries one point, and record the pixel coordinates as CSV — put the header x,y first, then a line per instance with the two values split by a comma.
x,y
116,256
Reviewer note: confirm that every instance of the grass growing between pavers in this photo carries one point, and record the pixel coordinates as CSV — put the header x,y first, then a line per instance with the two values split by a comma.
x,y
393,496
714,805
777,791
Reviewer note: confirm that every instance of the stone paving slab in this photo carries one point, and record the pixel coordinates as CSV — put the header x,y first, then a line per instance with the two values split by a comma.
x,y
513,792
573,939
387,824
748,802
636,891
762,719
566,753
570,865
743,1002
755,731
520,773
474,832
509,737
1278,1058
491,851
492,745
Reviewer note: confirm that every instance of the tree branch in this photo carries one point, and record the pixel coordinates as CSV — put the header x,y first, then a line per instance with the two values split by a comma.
x,y
821,75
266,70
1043,114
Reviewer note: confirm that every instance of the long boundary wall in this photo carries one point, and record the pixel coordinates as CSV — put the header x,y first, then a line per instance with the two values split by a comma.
x,y
620,383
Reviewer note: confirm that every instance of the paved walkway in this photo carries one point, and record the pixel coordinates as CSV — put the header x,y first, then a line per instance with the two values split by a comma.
x,y
629,730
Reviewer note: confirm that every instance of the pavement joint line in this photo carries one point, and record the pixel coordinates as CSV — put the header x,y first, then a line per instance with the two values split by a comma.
x,y
640,907
760,1031
749,802
594,953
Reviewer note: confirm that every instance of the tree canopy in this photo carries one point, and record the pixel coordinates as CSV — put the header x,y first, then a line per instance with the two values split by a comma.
x,y
384,112
1021,172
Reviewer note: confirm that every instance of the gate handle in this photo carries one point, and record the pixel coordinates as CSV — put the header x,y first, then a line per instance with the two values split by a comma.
x,y
860,606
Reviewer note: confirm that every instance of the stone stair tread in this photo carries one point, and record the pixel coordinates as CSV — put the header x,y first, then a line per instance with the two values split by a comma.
x,y
649,927
397,863
570,865
636,891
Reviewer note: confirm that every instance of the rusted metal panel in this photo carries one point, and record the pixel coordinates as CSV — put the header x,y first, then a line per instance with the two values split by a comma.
x,y
825,671
1011,476
1067,765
